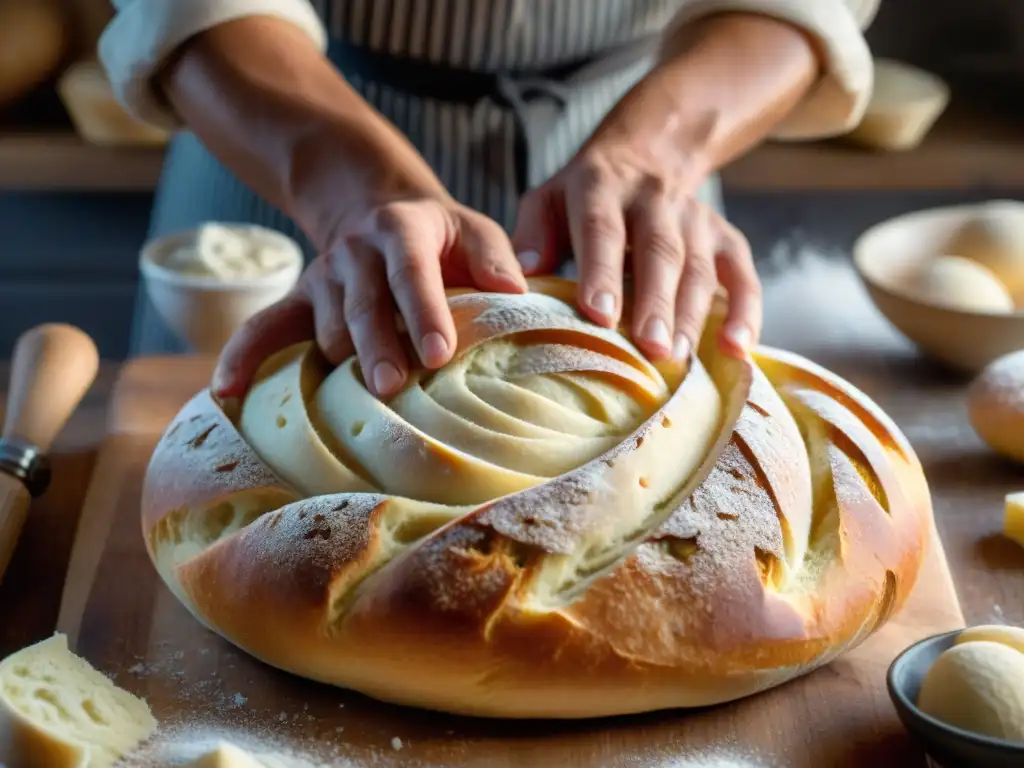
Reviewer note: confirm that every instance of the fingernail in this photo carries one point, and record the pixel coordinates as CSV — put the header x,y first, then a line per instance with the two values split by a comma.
x,y
220,386
656,332
528,260
604,303
515,277
386,378
681,349
740,336
434,348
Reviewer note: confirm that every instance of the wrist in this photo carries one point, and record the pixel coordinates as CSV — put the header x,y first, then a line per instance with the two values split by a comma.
x,y
653,121
341,167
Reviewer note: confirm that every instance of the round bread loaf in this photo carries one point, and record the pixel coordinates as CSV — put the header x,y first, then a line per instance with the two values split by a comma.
x,y
549,526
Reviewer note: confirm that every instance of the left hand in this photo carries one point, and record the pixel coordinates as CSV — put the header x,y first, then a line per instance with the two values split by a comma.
x,y
620,198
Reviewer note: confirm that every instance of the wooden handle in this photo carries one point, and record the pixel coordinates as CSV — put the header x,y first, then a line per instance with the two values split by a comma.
x,y
14,503
54,365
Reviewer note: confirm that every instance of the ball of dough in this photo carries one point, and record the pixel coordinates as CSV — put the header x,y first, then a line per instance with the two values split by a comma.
x,y
979,687
994,238
959,283
1011,637
995,405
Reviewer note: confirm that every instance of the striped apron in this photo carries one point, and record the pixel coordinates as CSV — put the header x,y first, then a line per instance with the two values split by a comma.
x,y
497,95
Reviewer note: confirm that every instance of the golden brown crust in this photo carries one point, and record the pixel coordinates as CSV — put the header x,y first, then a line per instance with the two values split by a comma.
x,y
700,559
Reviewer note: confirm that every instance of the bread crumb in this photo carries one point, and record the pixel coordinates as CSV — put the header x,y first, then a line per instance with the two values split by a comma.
x,y
396,743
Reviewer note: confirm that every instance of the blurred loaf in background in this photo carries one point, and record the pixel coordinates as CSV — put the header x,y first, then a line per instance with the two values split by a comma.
x,y
43,40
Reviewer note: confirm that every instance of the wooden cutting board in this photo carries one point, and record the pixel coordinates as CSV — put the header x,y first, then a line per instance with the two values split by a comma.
x,y
121,618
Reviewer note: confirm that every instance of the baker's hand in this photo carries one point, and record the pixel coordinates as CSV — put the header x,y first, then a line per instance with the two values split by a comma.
x,y
620,200
394,258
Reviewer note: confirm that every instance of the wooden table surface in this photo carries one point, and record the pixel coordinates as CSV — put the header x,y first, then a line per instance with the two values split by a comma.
x,y
31,590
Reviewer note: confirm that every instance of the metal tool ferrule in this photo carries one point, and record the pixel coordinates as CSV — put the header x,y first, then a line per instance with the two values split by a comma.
x,y
26,462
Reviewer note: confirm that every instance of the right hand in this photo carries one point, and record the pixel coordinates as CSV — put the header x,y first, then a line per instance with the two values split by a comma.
x,y
397,254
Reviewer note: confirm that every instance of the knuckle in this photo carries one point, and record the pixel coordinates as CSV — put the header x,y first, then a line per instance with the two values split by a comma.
x,y
360,305
334,344
591,171
737,245
601,224
700,270
487,232
388,218
407,272
659,303
662,247
689,322
600,275
654,186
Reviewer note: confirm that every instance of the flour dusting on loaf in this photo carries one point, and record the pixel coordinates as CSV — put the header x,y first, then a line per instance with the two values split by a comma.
x,y
549,526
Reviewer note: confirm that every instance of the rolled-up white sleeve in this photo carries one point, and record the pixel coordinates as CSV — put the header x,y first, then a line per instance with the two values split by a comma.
x,y
145,33
836,102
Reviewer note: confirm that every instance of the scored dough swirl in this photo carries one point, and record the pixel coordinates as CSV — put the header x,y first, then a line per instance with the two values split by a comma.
x,y
532,393
550,525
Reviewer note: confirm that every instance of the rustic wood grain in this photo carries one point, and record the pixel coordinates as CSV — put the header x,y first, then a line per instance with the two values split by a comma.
x,y
31,590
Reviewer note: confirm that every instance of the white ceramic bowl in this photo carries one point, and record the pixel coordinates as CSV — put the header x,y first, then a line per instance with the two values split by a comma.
x,y
887,252
205,311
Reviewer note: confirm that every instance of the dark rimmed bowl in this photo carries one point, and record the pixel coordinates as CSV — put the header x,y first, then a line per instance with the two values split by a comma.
x,y
947,746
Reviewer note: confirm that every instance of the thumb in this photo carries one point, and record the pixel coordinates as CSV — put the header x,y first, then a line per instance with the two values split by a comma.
x,y
534,238
280,325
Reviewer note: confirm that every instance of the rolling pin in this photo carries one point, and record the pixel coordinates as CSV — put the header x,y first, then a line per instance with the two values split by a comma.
x,y
53,367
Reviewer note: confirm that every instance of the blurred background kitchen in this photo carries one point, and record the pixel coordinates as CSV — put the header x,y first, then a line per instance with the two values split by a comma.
x,y
77,178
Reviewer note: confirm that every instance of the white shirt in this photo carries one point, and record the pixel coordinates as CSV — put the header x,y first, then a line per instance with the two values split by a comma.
x,y
470,146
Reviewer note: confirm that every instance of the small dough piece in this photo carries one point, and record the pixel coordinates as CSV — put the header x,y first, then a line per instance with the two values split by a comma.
x,y
226,755
1013,525
958,283
905,103
1012,637
979,687
57,711
96,113
995,405
994,238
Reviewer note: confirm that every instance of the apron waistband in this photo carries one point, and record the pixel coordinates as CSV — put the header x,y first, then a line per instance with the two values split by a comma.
x,y
457,85
535,97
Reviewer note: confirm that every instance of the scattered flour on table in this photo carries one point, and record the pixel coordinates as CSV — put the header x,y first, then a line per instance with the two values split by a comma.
x,y
727,754
179,745
806,285
710,761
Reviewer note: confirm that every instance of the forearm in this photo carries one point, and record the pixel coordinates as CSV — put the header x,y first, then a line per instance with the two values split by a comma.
x,y
721,92
273,109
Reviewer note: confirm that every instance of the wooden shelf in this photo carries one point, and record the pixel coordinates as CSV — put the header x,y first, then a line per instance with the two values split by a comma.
x,y
60,161
967,148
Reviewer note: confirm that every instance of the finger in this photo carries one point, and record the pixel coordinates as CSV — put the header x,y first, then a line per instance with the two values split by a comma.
x,y
598,232
489,256
735,267
280,325
698,284
370,317
414,274
535,240
657,246
328,297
